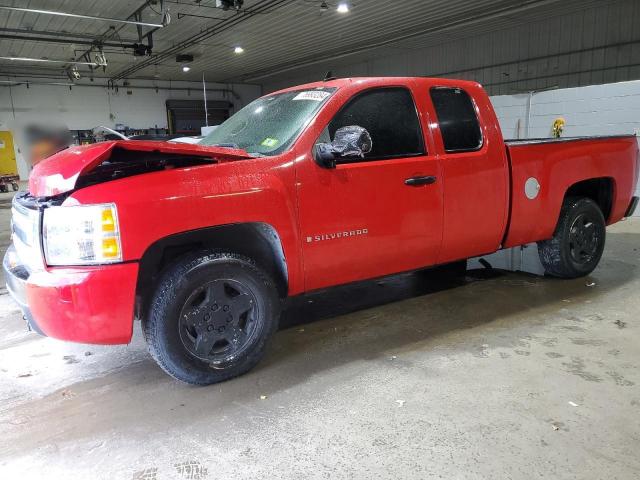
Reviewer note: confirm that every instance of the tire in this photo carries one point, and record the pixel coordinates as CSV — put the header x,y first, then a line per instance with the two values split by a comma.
x,y
211,317
4,188
15,187
578,241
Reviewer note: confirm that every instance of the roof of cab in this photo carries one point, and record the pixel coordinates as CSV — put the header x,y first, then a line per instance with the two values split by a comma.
x,y
376,82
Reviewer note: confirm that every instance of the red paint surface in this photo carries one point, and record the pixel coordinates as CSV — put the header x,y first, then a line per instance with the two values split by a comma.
x,y
86,305
464,214
557,166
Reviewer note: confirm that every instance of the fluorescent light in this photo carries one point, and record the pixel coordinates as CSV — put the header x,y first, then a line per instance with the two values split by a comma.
x,y
88,17
18,82
343,7
238,50
28,59
185,68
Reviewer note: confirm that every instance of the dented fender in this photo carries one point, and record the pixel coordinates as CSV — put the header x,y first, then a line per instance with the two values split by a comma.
x,y
163,203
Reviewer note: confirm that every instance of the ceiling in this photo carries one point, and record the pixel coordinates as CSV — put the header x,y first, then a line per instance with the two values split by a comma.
x,y
277,36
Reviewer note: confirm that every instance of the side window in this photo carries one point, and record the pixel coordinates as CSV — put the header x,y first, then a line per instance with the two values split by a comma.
x,y
457,118
390,117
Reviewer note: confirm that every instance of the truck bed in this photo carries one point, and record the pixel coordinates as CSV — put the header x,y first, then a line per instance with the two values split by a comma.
x,y
560,165
536,141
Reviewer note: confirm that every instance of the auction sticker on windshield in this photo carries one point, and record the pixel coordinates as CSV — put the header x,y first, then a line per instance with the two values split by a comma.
x,y
316,95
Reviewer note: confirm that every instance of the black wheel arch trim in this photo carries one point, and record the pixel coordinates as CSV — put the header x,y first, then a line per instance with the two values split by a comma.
x,y
632,207
257,240
602,190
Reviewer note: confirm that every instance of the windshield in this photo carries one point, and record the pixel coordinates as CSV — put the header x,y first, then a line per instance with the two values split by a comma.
x,y
269,125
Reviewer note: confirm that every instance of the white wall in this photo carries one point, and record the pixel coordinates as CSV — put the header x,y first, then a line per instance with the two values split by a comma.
x,y
595,110
86,107
610,109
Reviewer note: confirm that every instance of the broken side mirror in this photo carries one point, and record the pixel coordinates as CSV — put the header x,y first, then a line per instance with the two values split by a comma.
x,y
348,142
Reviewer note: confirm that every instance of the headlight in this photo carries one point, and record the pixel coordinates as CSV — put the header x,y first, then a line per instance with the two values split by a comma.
x,y
81,235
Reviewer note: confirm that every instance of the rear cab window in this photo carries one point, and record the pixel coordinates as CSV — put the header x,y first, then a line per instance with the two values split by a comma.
x,y
459,125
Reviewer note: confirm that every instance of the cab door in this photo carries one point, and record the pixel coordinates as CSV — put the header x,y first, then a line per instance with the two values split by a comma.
x,y
377,215
475,169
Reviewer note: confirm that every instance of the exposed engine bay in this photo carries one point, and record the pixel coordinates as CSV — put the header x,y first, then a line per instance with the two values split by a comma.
x,y
126,163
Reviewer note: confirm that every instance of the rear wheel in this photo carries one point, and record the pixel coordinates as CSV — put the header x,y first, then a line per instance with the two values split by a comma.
x,y
211,317
578,242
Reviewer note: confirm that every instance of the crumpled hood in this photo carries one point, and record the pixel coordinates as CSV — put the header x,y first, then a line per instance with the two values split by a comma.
x,y
60,172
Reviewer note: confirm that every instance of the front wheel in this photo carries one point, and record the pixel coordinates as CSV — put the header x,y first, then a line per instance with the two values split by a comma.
x,y
211,317
578,242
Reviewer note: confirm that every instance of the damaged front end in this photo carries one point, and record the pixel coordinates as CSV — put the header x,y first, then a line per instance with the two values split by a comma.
x,y
126,163
81,166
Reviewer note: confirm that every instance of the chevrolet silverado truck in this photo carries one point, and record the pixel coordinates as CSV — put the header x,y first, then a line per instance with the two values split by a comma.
x,y
303,189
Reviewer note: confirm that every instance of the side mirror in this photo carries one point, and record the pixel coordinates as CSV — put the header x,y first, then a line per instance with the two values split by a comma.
x,y
348,142
324,155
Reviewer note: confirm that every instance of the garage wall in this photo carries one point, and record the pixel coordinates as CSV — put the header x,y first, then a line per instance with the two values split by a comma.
x,y
87,107
595,110
597,42
611,109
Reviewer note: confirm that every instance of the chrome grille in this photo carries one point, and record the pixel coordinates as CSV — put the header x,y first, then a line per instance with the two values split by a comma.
x,y
25,227
24,223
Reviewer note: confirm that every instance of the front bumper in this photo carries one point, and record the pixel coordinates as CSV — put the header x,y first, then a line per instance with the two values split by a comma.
x,y
78,304
16,277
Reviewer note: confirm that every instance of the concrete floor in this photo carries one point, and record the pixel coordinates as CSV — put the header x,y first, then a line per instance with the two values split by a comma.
x,y
501,375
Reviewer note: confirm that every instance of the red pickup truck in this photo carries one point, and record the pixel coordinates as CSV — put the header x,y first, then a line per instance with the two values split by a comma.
x,y
305,188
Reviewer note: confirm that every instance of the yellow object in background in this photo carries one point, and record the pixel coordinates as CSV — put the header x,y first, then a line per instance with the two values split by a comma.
x,y
8,165
558,127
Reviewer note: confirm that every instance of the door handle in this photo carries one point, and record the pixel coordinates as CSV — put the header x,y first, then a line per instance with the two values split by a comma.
x,y
417,181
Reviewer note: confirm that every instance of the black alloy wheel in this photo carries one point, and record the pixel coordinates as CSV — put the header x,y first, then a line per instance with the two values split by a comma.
x,y
218,321
578,241
211,317
583,239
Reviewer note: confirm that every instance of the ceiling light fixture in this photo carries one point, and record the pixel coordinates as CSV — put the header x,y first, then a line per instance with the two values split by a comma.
x,y
17,82
87,17
343,7
229,4
324,7
46,60
184,59
238,50
73,73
